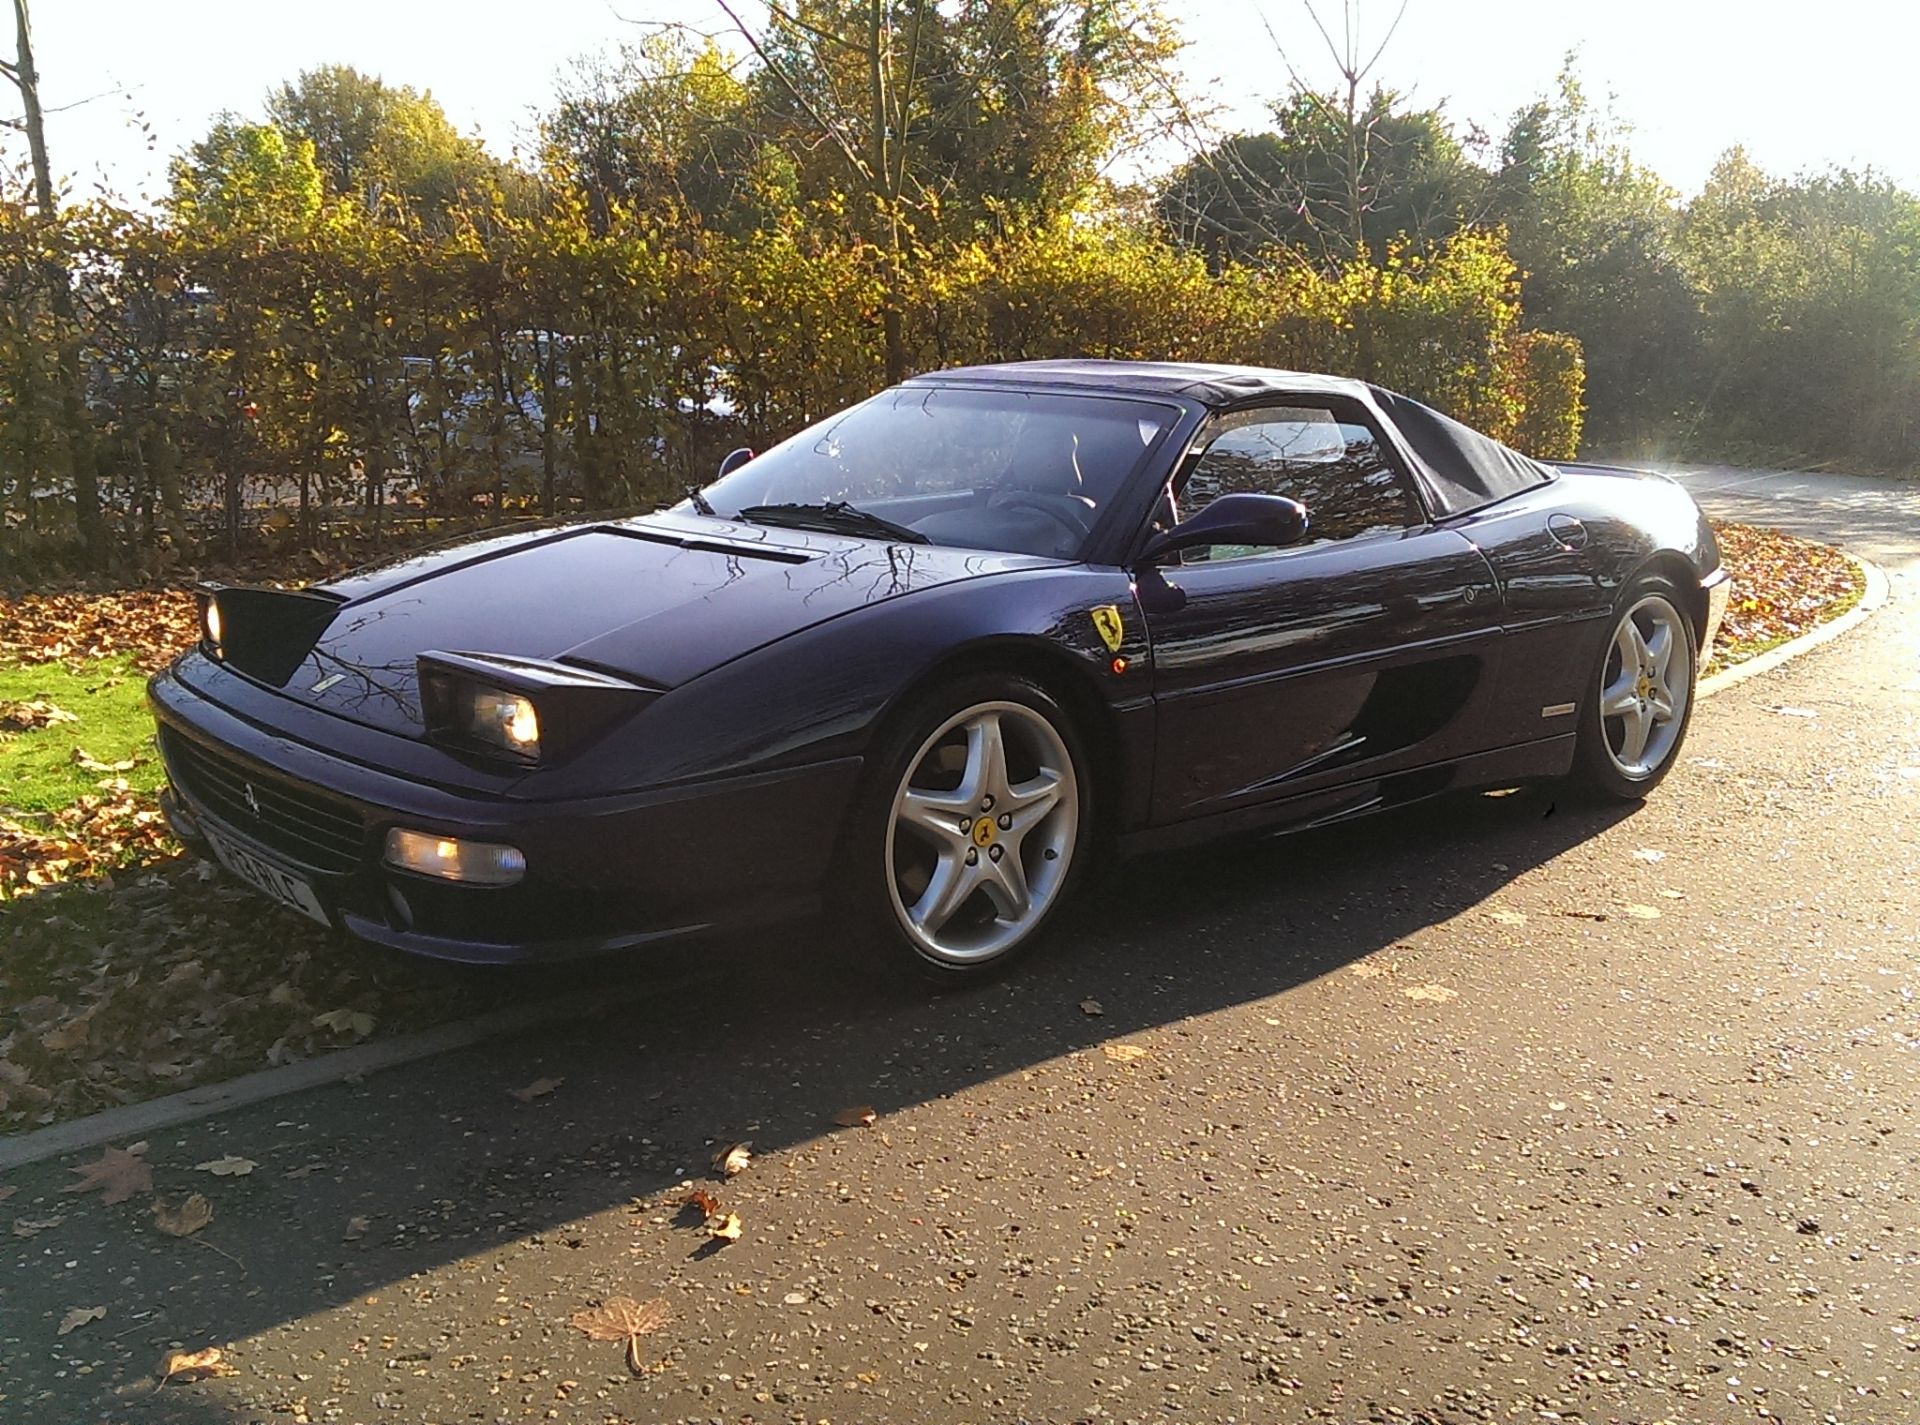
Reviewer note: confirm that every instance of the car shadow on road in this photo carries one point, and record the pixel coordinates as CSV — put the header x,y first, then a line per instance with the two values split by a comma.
x,y
764,1038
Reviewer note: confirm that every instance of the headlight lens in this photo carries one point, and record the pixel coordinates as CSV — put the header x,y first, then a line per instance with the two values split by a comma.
x,y
505,720
210,623
476,863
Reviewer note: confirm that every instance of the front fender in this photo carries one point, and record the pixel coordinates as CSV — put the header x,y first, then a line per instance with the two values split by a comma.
x,y
821,693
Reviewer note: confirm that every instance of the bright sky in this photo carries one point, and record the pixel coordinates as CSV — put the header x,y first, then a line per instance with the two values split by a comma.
x,y
1800,85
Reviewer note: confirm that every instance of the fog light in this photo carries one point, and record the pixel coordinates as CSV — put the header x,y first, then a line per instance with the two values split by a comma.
x,y
476,863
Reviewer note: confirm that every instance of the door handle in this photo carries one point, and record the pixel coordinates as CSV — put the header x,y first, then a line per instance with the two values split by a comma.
x,y
1568,531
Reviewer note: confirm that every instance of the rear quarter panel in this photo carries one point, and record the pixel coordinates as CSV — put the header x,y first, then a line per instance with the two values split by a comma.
x,y
1557,601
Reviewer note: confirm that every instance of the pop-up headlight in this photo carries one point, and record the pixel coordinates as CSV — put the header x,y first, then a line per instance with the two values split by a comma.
x,y
263,633
521,709
210,622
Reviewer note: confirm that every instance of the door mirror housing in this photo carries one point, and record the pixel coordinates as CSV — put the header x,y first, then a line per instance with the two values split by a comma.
x,y
1268,520
735,459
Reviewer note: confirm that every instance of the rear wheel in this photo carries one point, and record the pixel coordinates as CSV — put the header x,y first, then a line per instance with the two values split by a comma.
x,y
968,839
1637,709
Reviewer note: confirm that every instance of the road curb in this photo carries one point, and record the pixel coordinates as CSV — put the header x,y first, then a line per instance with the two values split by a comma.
x,y
1876,594
137,1120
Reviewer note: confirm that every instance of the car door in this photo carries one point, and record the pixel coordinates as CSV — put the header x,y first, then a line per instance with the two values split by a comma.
x,y
1367,648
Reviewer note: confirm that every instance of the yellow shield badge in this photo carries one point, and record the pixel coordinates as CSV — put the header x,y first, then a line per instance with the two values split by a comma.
x,y
1106,623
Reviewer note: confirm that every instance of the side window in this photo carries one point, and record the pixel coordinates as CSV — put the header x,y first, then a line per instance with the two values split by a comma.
x,y
1333,466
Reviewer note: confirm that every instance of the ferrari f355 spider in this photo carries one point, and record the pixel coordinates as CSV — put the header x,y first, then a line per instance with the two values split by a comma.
x,y
921,663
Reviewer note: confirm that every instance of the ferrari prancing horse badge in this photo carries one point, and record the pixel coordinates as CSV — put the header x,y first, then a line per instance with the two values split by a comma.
x,y
1106,623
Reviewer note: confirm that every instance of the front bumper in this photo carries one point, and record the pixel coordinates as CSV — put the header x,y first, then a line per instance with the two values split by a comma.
x,y
603,873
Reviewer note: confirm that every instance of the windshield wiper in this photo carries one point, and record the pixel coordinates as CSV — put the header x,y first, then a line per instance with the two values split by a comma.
x,y
833,516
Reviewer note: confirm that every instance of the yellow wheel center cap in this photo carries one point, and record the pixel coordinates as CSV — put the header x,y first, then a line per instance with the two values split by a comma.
x,y
983,832
1645,686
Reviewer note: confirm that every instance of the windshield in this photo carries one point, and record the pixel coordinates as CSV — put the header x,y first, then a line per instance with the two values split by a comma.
x,y
1017,471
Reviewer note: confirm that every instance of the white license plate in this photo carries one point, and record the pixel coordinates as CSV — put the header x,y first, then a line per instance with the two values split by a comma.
x,y
266,877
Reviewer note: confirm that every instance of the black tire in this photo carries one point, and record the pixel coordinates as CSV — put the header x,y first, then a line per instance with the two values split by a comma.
x,y
870,884
1600,769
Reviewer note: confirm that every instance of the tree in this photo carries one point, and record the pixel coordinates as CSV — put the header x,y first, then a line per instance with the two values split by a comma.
x,y
1292,186
1597,237
660,128
81,471
1810,295
374,140
897,112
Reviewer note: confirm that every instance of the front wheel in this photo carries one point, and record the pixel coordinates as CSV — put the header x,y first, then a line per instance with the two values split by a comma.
x,y
968,839
1637,708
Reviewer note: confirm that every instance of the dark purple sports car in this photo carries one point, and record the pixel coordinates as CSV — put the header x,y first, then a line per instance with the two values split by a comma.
x,y
920,660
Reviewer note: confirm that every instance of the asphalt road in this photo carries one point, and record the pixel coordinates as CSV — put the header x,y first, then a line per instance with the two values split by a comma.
x,y
1493,1110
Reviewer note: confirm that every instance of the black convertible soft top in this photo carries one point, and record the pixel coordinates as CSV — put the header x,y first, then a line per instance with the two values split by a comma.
x,y
1466,469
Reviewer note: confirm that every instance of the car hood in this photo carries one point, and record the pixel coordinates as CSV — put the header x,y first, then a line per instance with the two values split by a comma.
x,y
660,599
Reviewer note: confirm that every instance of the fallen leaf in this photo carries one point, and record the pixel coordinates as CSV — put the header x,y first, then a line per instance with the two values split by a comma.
x,y
120,1173
228,1167
1674,895
26,716
624,1319
708,1204
345,1021
539,1088
73,1034
1092,1008
731,1162
1641,912
195,1365
78,1317
621,1317
32,1226
7,1192
1123,1053
356,1229
188,1218
1557,1106
855,1117
1797,712
1368,971
1647,853
1508,917
726,1228
1438,994
89,763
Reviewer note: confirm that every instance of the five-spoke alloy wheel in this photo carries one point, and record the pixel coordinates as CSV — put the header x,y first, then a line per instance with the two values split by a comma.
x,y
986,807
1637,715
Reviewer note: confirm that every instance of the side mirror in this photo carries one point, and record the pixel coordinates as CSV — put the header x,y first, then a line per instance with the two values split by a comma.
x,y
1271,521
735,459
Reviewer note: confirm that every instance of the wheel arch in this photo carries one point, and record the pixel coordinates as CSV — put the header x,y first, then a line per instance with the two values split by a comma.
x,y
1679,570
1063,676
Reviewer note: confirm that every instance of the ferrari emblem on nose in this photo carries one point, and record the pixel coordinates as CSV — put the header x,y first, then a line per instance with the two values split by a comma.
x,y
1106,623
